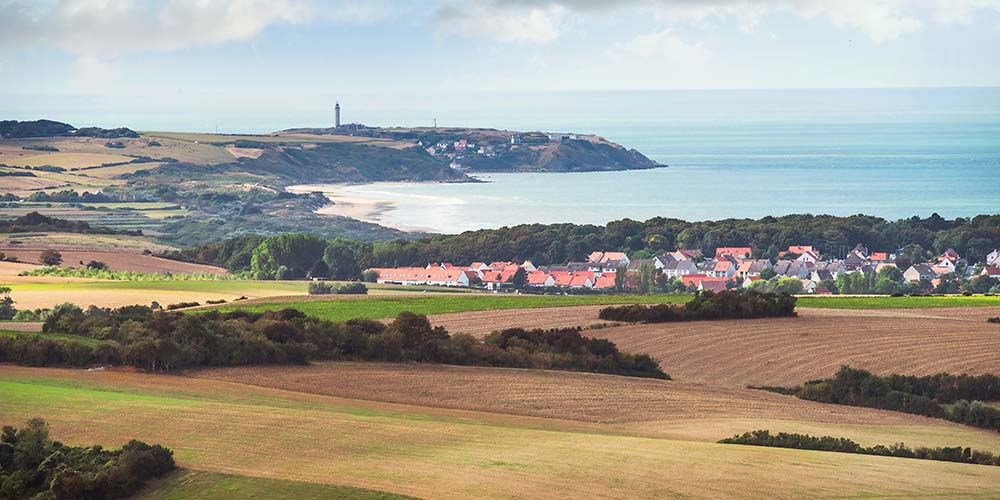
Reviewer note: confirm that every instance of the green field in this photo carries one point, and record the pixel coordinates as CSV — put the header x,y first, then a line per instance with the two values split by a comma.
x,y
199,485
55,336
386,307
884,302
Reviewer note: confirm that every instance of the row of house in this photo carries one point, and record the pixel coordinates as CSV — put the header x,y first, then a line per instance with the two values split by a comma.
x,y
730,267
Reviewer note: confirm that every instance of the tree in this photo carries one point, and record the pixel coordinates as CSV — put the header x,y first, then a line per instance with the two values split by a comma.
x,y
7,310
768,274
50,257
520,279
340,258
96,264
621,278
980,284
296,252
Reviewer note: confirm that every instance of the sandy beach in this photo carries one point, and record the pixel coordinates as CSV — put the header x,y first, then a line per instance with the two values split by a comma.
x,y
364,207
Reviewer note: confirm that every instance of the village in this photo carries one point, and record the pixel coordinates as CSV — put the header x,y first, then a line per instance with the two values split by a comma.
x,y
799,269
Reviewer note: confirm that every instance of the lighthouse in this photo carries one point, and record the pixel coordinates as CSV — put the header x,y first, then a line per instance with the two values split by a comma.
x,y
336,115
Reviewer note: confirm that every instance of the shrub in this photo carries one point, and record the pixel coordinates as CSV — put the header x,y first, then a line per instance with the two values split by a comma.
x,y
182,305
995,319
320,288
707,306
844,445
50,258
32,465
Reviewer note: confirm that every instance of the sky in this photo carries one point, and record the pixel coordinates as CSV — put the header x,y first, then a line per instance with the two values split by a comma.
x,y
202,54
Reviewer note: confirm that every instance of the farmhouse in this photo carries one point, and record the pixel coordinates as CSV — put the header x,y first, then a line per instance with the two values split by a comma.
x,y
919,272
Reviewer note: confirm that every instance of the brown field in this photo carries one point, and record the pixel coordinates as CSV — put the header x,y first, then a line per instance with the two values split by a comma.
x,y
80,242
789,351
228,427
480,323
69,160
11,269
118,261
783,351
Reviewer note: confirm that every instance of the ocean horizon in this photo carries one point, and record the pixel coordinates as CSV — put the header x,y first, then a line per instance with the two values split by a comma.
x,y
891,153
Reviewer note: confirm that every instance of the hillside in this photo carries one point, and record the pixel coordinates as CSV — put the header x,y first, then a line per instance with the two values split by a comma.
x,y
492,150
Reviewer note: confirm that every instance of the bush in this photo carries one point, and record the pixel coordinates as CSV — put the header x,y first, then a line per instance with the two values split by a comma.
x,y
320,288
844,445
32,465
50,258
172,340
707,306
995,319
182,305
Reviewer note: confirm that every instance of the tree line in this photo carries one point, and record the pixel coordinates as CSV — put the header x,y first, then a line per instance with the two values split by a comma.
x,y
167,340
707,305
547,244
32,465
844,445
958,398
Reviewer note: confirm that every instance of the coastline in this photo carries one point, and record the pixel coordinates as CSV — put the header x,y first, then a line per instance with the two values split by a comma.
x,y
353,205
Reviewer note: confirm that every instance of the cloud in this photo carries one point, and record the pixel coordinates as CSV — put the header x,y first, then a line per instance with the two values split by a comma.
x,y
663,46
114,27
520,24
546,20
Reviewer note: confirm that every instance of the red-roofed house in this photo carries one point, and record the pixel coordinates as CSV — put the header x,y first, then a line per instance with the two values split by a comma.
x,y
713,284
809,256
423,276
540,278
606,281
879,257
686,254
723,269
582,280
561,278
992,271
738,252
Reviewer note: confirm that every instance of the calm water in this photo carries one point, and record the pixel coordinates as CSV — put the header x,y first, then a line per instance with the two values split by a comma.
x,y
891,153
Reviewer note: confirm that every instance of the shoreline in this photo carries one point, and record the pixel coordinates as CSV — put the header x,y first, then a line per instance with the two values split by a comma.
x,y
352,205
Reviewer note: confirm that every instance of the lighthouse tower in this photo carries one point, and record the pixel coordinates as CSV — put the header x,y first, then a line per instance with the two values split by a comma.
x,y
336,113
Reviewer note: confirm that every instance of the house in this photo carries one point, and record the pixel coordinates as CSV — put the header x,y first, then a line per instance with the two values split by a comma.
x,y
582,280
808,256
561,278
949,255
821,275
945,266
528,266
679,268
423,276
809,286
540,279
608,259
693,279
713,284
992,271
798,250
880,258
793,269
919,272
993,259
478,266
722,269
750,280
753,267
738,252
494,279
855,260
686,254
836,267
605,281
660,261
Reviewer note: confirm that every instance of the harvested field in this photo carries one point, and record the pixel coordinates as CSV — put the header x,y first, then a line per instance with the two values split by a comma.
x,y
789,351
585,397
119,261
480,323
70,160
224,427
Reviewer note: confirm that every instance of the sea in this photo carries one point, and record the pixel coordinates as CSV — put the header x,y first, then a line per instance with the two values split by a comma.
x,y
892,153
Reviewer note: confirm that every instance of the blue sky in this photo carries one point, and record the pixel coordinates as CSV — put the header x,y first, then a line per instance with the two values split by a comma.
x,y
216,53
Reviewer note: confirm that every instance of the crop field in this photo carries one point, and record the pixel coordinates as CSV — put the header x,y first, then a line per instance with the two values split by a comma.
x,y
200,485
789,351
69,160
480,323
236,428
118,261
386,307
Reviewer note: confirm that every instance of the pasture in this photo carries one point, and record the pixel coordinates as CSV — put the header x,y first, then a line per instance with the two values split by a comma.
x,y
239,428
